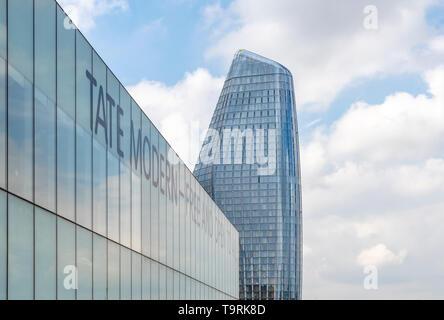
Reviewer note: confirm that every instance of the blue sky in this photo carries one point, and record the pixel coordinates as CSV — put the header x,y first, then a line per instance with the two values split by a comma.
x,y
370,107
162,40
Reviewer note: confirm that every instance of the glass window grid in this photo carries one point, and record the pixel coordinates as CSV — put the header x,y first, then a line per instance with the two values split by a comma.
x,y
84,220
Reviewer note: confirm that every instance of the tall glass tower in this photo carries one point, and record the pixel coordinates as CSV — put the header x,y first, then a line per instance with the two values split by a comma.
x,y
249,164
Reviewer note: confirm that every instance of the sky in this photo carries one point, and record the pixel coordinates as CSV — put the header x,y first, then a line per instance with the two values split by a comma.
x,y
369,85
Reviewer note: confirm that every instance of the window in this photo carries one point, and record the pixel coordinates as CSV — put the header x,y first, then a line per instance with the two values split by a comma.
x,y
99,267
45,150
84,264
65,165
20,135
154,193
136,187
83,177
146,278
3,242
154,281
136,275
21,249
66,260
2,118
20,37
125,274
45,255
146,187
113,271
113,159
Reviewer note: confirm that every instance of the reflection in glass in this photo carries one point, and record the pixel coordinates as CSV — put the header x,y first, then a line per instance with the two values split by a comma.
x,y
2,123
20,249
20,36
146,278
136,275
154,281
19,134
65,165
3,15
3,242
45,49
113,271
83,178
113,197
99,187
125,205
66,260
99,267
125,274
65,65
45,158
45,255
84,264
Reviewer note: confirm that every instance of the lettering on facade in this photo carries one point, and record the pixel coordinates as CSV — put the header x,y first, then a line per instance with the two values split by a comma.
x,y
154,165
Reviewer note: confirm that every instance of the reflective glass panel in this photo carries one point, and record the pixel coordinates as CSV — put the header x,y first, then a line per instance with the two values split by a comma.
x,y
20,249
45,255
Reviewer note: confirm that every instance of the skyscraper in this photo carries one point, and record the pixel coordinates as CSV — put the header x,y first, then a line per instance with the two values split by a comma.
x,y
249,164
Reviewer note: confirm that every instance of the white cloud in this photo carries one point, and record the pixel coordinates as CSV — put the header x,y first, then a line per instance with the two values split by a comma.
x,y
84,12
324,43
380,255
376,175
181,112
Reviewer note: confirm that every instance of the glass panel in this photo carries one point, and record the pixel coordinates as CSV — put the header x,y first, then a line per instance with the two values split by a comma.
x,y
45,255
136,275
162,283
99,267
154,193
182,287
162,202
3,28
65,65
146,186
65,166
123,148
83,173
3,242
146,278
45,150
113,100
2,123
113,271
66,260
125,274
113,197
100,123
84,264
84,82
20,134
20,36
125,205
170,284
136,153
176,295
154,281
99,187
45,50
20,249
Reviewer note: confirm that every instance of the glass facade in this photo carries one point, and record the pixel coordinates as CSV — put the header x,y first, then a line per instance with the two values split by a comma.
x,y
94,204
255,118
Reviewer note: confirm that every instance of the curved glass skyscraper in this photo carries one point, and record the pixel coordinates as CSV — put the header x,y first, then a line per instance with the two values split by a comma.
x,y
249,164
